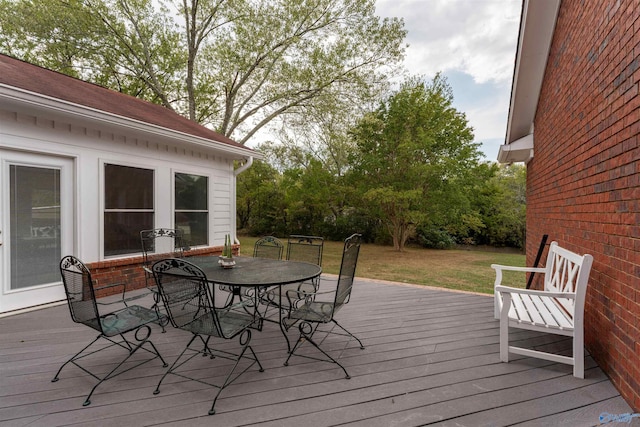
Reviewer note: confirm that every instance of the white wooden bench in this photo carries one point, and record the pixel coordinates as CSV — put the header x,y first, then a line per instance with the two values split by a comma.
x,y
558,309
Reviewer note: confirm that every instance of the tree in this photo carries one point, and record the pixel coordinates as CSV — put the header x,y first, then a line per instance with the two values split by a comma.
x,y
128,46
501,202
414,156
259,198
235,65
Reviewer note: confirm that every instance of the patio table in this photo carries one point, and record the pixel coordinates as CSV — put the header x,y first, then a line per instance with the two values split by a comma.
x,y
257,272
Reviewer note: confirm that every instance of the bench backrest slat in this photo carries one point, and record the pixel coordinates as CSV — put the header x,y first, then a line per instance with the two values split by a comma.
x,y
567,271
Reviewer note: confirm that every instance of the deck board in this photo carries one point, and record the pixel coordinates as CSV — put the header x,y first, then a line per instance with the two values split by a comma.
x,y
431,358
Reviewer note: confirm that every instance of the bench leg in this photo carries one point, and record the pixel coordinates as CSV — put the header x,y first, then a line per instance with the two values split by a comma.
x,y
504,328
578,354
504,342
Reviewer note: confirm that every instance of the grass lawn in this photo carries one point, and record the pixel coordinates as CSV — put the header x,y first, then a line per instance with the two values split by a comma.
x,y
467,270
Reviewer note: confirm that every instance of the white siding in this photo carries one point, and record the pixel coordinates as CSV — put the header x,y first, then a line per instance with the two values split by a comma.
x,y
91,147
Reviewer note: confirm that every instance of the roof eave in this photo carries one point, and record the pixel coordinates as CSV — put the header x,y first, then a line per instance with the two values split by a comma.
x,y
534,42
520,150
39,101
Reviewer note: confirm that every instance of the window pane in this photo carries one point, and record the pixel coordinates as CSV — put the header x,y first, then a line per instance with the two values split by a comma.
x,y
191,192
194,225
122,231
128,188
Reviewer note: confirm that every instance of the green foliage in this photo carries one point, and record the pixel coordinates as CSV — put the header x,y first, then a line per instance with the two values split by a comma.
x,y
414,158
434,238
502,204
403,177
259,199
129,46
234,65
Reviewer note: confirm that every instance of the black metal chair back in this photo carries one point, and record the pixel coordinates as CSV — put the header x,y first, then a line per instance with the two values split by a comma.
x,y
299,248
305,248
348,265
185,294
268,247
149,238
81,298
190,304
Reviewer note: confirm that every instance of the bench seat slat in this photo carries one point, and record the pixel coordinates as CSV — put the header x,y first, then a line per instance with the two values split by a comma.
x,y
562,314
555,316
539,311
518,310
548,311
532,310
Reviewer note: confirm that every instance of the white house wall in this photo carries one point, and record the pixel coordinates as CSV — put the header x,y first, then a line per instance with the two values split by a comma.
x,y
91,147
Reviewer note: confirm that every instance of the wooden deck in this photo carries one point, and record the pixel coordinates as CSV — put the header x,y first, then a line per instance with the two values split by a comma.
x,y
431,358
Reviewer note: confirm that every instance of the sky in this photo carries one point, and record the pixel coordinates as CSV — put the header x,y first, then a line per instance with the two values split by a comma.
x,y
473,44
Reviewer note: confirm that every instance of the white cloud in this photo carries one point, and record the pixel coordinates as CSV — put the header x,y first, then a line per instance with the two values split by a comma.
x,y
477,37
473,42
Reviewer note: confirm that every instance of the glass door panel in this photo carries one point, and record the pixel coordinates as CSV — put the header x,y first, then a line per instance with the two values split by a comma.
x,y
34,208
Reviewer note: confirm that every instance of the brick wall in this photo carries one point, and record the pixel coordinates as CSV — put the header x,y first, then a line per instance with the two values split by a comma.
x,y
129,270
583,185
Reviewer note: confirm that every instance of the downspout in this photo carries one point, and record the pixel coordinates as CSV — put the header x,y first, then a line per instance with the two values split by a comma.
x,y
237,172
244,167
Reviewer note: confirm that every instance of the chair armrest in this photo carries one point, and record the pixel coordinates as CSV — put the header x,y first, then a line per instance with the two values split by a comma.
x,y
295,296
123,298
510,290
119,301
304,294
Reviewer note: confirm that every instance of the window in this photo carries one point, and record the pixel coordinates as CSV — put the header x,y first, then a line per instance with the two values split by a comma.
x,y
128,201
192,208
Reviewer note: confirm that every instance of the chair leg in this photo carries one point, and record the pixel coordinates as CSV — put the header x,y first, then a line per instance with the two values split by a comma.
x,y
245,337
176,365
504,327
306,334
349,333
76,357
162,319
125,344
578,354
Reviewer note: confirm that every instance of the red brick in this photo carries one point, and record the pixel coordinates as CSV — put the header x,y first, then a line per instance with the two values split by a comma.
x,y
583,185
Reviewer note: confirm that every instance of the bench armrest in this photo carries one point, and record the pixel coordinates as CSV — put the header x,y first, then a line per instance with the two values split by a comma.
x,y
498,267
508,289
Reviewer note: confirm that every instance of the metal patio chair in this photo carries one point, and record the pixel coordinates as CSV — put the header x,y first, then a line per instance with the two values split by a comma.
x,y
149,240
83,306
268,247
310,310
265,247
299,248
190,304
305,248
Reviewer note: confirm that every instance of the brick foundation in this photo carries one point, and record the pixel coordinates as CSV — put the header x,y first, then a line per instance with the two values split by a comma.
x,y
129,270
